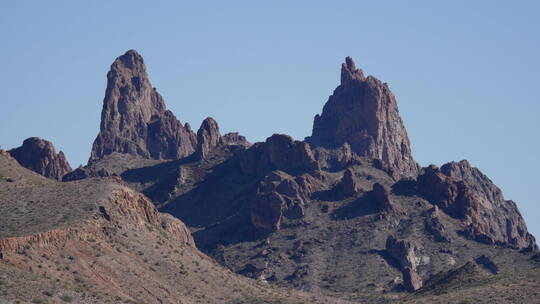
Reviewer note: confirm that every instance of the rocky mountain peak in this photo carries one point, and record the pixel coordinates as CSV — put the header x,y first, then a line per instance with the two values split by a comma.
x,y
350,74
363,112
39,155
134,118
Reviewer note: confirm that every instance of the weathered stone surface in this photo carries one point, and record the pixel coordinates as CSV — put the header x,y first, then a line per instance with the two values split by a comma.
x,y
278,195
278,152
363,113
208,137
411,280
348,185
40,156
233,138
85,172
382,196
465,193
434,226
401,251
134,118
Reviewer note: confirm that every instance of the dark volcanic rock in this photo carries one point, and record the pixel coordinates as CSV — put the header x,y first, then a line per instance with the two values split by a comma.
x,y
348,185
363,113
278,152
278,195
402,252
85,172
434,226
236,139
134,118
40,156
382,196
465,193
411,280
208,137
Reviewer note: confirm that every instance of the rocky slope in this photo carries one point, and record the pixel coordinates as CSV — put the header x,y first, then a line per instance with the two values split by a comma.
x,y
40,156
98,241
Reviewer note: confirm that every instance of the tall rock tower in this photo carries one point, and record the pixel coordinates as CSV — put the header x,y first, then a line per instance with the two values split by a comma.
x,y
134,119
363,112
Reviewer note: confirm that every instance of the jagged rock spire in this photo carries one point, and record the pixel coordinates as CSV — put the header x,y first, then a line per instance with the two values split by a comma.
x,y
134,118
208,137
40,156
363,112
349,73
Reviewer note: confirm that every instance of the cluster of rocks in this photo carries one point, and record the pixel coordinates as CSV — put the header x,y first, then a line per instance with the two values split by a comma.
x,y
278,152
279,195
463,192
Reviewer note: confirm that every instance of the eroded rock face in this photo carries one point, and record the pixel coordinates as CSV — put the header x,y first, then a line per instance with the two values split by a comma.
x,y
278,152
382,196
208,137
134,118
40,156
363,113
465,193
236,139
348,185
402,252
411,280
278,195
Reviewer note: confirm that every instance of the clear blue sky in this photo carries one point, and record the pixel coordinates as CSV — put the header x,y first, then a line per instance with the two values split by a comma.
x,y
466,73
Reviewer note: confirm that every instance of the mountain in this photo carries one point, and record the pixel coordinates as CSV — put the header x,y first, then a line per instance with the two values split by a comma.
x,y
347,215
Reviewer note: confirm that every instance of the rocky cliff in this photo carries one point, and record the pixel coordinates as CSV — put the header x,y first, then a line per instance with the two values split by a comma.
x,y
134,118
40,156
363,112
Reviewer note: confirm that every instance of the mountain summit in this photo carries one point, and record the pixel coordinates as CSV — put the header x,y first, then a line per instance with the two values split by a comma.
x,y
363,112
135,120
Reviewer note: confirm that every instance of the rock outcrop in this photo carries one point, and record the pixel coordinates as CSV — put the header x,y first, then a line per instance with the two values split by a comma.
x,y
348,186
40,156
208,137
465,193
278,195
278,152
402,253
382,196
134,118
363,113
233,138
